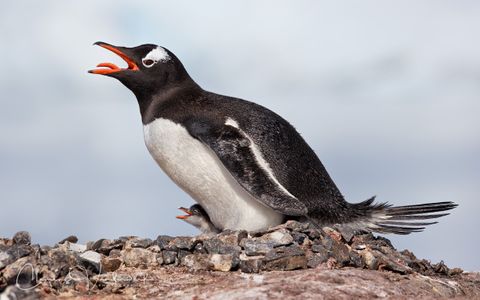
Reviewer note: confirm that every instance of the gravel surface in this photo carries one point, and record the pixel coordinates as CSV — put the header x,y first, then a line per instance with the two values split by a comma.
x,y
286,261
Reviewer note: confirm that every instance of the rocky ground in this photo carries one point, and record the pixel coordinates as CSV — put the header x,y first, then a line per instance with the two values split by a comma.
x,y
289,261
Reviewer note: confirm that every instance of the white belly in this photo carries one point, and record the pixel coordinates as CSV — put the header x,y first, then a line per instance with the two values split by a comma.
x,y
197,170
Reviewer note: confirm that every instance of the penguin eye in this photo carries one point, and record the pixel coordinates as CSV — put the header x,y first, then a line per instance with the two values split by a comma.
x,y
148,62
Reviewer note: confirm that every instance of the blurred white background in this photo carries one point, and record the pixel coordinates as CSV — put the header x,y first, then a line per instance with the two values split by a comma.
x,y
386,93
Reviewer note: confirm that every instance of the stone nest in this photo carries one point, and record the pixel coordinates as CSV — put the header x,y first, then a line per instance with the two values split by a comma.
x,y
28,269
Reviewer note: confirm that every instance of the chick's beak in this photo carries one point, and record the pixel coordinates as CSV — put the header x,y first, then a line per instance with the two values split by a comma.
x,y
185,210
109,68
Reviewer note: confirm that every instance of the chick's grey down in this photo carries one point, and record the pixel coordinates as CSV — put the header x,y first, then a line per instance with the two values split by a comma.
x,y
246,166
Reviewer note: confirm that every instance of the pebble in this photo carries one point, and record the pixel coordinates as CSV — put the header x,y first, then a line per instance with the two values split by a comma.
x,y
59,261
219,246
138,243
360,247
181,242
71,239
254,248
221,262
22,238
199,248
154,248
346,232
196,262
266,242
104,246
356,260
169,257
92,258
285,258
163,240
322,253
110,264
291,225
12,253
334,234
369,259
315,259
299,237
213,262
277,238
181,254
22,266
14,292
79,280
232,237
76,247
139,257
341,254
313,233
5,259
297,226
251,264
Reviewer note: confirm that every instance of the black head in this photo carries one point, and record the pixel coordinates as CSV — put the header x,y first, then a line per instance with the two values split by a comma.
x,y
198,210
150,68
194,210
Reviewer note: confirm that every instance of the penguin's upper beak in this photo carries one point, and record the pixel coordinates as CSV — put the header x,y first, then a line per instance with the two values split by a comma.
x,y
185,210
109,68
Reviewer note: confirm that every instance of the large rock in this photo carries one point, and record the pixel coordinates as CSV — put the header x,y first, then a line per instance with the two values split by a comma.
x,y
162,241
104,246
181,243
213,262
75,247
91,259
60,261
138,243
79,280
254,247
251,264
138,257
70,239
13,292
110,264
5,259
23,272
232,237
9,254
221,246
221,262
22,237
169,257
285,258
196,262
266,242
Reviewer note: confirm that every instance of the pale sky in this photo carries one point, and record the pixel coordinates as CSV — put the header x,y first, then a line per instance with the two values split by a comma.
x,y
387,94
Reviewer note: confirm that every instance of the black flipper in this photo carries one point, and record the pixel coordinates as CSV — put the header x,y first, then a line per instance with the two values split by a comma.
x,y
234,150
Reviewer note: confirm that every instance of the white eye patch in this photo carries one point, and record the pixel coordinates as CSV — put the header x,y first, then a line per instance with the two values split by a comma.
x,y
154,56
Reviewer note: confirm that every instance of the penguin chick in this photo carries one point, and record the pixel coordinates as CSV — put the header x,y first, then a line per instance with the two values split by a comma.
x,y
196,216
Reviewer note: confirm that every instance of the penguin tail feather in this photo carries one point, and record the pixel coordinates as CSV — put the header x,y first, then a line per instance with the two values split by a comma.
x,y
385,218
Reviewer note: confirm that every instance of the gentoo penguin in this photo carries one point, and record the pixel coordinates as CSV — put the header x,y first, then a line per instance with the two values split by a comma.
x,y
244,164
197,216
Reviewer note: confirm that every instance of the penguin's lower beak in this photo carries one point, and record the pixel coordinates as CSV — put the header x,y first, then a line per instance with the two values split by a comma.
x,y
185,210
109,68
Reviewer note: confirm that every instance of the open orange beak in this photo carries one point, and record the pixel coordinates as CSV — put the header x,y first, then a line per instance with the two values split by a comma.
x,y
185,210
109,68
